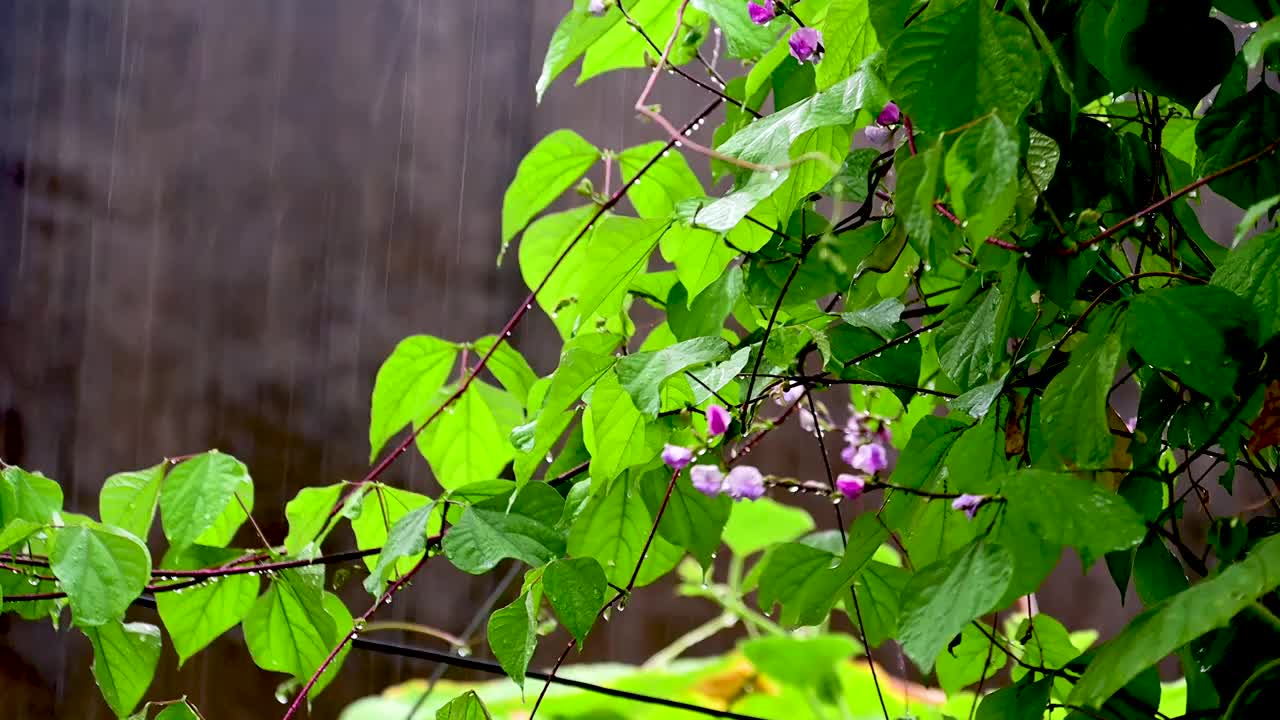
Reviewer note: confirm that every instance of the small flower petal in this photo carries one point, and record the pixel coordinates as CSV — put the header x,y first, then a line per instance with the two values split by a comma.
x,y
969,504
808,422
849,452
870,459
761,13
717,420
850,486
707,479
744,482
676,457
890,115
596,7
793,394
877,135
806,44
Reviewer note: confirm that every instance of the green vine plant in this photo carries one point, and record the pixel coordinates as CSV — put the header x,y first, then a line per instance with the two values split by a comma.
x,y
937,236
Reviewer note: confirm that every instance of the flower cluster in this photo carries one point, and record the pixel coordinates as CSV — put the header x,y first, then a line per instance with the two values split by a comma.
x,y
882,130
805,43
866,439
741,483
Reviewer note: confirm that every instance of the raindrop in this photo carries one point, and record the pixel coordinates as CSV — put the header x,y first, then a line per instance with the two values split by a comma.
x,y
774,174
679,144
529,306
713,556
1140,222
387,601
835,499
1026,255
33,581
354,634
637,182
665,153
793,489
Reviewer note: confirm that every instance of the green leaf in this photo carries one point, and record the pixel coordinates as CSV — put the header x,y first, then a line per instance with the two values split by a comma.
x,y
469,441
177,711
622,47
408,537
1073,413
768,142
879,586
509,367
717,377
1157,574
1063,509
743,39
706,314
1024,701
615,432
1235,130
667,181
642,374
848,39
1157,319
613,529
691,520
406,385
294,626
802,662
381,508
196,494
17,531
466,706
982,172
1161,629
827,147
28,496
575,588
1261,39
942,598
917,192
922,458
128,499
575,33
500,528
590,283
234,515
1252,271
511,636
308,515
124,662
1047,644
883,317
808,582
963,63
547,170
967,348
199,615
101,569
976,658
754,526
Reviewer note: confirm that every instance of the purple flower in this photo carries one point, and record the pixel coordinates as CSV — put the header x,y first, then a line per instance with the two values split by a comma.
x,y
792,395
717,420
806,44
849,452
890,115
744,481
884,436
808,422
877,135
596,7
707,479
761,13
870,459
850,485
969,504
676,457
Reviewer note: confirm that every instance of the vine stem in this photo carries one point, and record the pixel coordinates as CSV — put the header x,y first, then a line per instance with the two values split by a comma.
x,y
504,335
392,589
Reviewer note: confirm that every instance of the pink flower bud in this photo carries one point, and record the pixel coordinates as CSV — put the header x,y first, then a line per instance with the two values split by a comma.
x,y
806,44
596,7
870,459
850,486
761,13
890,115
676,457
744,482
717,420
969,504
707,479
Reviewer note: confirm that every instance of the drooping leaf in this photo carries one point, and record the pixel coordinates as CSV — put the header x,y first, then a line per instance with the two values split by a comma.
x,y
1073,413
199,615
1157,319
508,366
1024,701
406,538
1235,130
967,348
466,706
942,598
308,515
101,569
406,385
469,442
1252,271
196,493
963,63
743,39
128,499
124,662
982,172
575,587
381,508
975,658
511,635
28,496
295,624
754,526
666,182
616,434
1062,509
802,662
1161,629
613,528
499,528
691,520
575,33
848,38
549,169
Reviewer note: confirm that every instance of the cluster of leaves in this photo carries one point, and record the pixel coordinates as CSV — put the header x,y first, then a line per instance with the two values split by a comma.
x,y
972,218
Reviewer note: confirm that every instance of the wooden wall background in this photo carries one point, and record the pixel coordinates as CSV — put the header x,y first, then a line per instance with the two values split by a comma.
x,y
218,218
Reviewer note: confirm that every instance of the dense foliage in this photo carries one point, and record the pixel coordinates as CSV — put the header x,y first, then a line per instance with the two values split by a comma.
x,y
939,236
